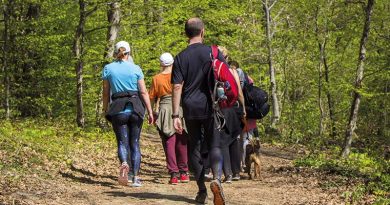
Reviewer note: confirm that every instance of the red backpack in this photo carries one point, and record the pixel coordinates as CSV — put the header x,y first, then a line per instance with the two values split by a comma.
x,y
225,88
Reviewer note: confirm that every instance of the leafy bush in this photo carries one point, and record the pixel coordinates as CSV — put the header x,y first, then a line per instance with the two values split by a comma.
x,y
372,173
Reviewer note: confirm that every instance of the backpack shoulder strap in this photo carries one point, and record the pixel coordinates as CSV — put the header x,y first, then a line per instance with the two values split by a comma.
x,y
214,51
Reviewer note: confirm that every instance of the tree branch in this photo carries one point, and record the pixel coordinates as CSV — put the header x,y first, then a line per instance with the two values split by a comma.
x,y
273,4
278,14
91,11
95,29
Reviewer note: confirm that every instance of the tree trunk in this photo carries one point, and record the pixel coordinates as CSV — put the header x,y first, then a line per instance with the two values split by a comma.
x,y
321,49
6,14
273,88
113,16
358,82
321,122
78,51
329,97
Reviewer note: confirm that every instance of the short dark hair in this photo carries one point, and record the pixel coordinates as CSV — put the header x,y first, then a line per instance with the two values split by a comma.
x,y
234,63
193,27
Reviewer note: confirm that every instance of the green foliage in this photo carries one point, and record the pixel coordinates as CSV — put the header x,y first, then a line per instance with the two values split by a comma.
x,y
40,67
372,173
33,144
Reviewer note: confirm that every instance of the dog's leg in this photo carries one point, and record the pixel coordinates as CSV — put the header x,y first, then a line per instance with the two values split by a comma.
x,y
257,170
252,173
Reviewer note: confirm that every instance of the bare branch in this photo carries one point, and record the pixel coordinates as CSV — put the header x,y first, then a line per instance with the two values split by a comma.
x,y
91,11
273,4
278,14
355,2
95,29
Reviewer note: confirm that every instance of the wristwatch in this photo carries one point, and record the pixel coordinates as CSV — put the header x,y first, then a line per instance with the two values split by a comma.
x,y
175,116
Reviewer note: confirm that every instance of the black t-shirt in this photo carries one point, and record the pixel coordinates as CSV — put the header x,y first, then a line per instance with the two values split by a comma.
x,y
192,66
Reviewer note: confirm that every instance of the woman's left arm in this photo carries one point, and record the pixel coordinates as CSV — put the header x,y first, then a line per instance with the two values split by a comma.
x,y
145,96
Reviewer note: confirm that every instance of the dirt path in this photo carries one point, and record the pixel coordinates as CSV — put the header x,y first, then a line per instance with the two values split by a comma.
x,y
94,182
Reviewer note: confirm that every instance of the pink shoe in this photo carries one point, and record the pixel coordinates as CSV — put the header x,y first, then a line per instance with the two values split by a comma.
x,y
123,171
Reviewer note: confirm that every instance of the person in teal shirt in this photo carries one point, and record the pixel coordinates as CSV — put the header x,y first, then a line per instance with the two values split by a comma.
x,y
125,81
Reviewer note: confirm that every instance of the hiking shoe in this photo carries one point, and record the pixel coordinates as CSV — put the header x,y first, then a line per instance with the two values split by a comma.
x,y
174,180
123,174
136,182
208,177
184,177
216,188
130,177
236,177
201,197
228,179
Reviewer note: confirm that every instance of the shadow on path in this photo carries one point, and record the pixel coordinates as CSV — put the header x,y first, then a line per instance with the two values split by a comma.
x,y
145,195
86,180
277,153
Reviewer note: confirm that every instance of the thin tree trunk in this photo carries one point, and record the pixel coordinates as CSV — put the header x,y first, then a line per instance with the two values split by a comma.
x,y
321,123
5,69
78,51
321,48
329,97
358,82
113,16
274,94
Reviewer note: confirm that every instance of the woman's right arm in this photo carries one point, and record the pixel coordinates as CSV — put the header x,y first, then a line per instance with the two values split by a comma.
x,y
106,95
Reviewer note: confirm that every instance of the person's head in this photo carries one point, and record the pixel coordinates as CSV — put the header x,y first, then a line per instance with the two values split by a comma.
x,y
224,52
194,27
234,64
166,60
122,50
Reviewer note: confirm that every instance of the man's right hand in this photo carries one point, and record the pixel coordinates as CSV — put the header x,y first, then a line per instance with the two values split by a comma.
x,y
177,125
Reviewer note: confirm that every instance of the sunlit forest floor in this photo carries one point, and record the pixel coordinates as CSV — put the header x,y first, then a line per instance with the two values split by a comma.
x,y
89,176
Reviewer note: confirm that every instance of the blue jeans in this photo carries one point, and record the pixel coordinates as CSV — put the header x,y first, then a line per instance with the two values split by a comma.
x,y
127,128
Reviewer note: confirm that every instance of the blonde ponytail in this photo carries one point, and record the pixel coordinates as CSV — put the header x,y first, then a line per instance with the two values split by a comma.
x,y
120,53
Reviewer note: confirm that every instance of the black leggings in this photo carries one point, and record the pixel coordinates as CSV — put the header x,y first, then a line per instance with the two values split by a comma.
x,y
212,138
231,158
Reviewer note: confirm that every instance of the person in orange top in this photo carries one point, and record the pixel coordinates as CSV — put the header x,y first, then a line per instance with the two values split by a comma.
x,y
175,144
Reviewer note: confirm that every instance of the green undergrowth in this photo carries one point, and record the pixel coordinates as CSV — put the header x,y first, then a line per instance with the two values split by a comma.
x,y
41,147
369,174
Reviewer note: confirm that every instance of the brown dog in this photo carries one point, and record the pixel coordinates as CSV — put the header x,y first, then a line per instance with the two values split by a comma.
x,y
252,157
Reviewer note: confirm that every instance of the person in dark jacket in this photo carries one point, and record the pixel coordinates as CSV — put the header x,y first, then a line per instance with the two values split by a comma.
x,y
125,81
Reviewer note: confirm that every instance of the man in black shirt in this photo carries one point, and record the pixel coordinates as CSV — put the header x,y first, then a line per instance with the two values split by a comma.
x,y
191,88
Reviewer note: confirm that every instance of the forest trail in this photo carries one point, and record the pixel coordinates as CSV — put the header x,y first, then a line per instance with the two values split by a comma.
x,y
94,182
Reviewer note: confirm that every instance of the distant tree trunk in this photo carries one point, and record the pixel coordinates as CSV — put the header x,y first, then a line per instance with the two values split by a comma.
x,y
5,69
78,52
329,97
358,82
321,48
275,102
148,17
321,123
113,16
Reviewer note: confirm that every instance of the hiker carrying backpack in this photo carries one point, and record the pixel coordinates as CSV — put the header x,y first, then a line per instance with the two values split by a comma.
x,y
224,93
256,99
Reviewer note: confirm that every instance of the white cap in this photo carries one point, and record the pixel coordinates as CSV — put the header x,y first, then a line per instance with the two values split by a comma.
x,y
166,59
122,44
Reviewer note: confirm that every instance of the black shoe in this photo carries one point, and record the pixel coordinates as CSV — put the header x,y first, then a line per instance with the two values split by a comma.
x,y
201,197
236,177
216,188
228,179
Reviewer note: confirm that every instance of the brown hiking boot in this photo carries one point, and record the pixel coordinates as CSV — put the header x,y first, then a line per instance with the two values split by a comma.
x,y
216,188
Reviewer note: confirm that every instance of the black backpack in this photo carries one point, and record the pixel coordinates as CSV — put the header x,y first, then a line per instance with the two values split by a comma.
x,y
256,99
